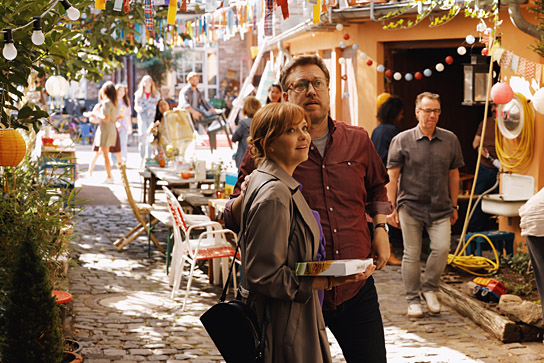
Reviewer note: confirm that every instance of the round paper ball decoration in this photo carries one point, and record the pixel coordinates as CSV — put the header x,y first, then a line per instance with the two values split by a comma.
x,y
380,68
397,76
449,59
369,62
362,55
388,73
342,44
470,39
538,101
439,67
346,36
501,93
408,77
418,75
346,95
382,97
355,46
12,147
461,50
342,60
344,77
485,52
339,27
427,72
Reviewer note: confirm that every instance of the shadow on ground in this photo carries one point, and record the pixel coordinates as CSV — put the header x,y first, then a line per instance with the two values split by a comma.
x,y
97,195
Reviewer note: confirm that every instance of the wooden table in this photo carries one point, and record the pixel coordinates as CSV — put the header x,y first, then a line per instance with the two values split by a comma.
x,y
193,199
171,177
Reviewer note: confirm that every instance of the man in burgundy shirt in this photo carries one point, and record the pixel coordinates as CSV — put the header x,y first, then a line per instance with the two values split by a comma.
x,y
342,179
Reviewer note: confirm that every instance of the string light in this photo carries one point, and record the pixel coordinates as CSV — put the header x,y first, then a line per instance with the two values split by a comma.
x,y
9,52
72,12
37,36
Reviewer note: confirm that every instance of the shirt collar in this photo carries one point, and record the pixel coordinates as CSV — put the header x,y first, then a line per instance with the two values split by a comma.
x,y
270,167
420,135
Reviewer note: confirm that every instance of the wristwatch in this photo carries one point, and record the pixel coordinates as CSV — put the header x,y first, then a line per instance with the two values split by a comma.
x,y
382,225
455,207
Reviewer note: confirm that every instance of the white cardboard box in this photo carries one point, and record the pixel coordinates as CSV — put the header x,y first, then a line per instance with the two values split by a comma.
x,y
333,267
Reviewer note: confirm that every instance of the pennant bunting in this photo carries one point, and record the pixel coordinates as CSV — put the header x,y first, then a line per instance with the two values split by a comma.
x,y
172,10
538,73
522,67
149,9
514,64
100,4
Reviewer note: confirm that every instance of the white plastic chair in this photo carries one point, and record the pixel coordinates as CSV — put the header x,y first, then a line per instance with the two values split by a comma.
x,y
211,244
190,219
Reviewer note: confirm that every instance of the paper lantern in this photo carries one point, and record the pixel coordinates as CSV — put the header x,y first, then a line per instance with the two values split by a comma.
x,y
56,86
427,72
388,73
408,77
397,76
339,27
470,39
461,50
343,44
346,36
344,78
355,46
12,147
538,101
439,67
380,68
418,76
341,60
362,55
449,59
382,97
501,93
369,62
485,52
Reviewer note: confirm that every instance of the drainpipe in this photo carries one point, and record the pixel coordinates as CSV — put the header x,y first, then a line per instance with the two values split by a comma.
x,y
514,10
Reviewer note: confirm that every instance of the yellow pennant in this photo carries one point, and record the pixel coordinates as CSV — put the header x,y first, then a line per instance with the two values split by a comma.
x,y
100,4
172,9
317,12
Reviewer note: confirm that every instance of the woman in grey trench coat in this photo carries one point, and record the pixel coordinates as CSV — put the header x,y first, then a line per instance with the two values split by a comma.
x,y
295,329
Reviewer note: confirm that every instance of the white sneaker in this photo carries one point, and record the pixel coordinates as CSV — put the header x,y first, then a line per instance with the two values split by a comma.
x,y
414,310
432,302
109,181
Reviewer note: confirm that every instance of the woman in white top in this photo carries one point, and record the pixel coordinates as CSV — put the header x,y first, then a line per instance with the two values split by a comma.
x,y
145,103
124,120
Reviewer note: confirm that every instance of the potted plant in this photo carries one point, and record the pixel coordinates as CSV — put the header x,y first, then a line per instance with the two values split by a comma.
x,y
31,223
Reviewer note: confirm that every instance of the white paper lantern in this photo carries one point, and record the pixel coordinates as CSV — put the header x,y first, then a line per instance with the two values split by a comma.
x,y
342,60
346,95
355,46
56,86
343,44
427,72
439,67
408,77
397,76
538,101
339,27
461,50
380,68
470,39
362,55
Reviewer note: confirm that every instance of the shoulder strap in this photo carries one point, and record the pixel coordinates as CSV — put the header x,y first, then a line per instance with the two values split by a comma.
x,y
243,232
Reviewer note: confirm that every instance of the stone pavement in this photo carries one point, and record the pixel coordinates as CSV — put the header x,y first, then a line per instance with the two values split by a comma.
x,y
122,311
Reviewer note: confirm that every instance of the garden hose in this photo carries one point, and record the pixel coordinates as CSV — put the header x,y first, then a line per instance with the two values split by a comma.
x,y
516,156
471,263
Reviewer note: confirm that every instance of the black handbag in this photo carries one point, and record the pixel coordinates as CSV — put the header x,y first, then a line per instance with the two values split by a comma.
x,y
233,325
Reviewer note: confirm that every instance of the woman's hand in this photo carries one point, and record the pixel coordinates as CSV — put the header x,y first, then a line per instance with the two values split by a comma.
x,y
328,282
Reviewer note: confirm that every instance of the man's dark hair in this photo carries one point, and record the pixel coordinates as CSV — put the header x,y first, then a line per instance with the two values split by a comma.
x,y
389,110
302,60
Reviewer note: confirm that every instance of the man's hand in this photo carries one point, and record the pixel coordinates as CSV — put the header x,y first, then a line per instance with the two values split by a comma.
x,y
393,219
196,115
454,217
380,248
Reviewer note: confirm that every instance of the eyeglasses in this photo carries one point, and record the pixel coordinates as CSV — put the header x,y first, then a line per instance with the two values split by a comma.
x,y
428,112
301,86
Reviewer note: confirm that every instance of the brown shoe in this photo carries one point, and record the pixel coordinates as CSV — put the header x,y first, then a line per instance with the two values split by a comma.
x,y
393,260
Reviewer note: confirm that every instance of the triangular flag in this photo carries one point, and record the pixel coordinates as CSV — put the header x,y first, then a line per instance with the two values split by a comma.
x,y
100,4
316,13
172,10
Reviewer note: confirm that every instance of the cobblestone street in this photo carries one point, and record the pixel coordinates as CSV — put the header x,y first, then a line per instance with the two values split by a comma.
x,y
122,311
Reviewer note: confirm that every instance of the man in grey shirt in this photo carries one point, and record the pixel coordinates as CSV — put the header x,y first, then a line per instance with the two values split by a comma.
x,y
191,99
423,167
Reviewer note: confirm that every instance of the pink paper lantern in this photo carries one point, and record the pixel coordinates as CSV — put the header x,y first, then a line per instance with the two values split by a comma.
x,y
501,93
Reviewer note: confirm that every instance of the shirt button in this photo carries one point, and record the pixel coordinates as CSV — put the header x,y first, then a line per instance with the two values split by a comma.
x,y
337,252
328,187
323,166
349,163
334,230
330,209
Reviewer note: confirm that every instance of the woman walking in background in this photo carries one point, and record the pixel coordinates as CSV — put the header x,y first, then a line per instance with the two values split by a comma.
x,y
105,114
157,130
251,106
274,93
145,102
124,120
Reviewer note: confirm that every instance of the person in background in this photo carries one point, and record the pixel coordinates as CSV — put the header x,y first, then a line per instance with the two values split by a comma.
x,y
251,106
124,120
191,99
158,127
274,94
279,142
532,228
145,103
489,168
390,112
423,166
343,179
105,114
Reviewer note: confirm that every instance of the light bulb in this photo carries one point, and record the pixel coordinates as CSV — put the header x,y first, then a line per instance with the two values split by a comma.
x,y
37,35
9,52
73,13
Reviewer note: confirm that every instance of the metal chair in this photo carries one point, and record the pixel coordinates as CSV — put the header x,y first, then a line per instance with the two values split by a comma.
x,y
210,244
214,124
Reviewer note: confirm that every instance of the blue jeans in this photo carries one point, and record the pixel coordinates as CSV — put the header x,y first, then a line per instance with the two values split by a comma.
x,y
357,326
487,177
144,145
412,234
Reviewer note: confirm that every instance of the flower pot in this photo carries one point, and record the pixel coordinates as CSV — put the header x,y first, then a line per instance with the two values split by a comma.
x,y
72,345
71,357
